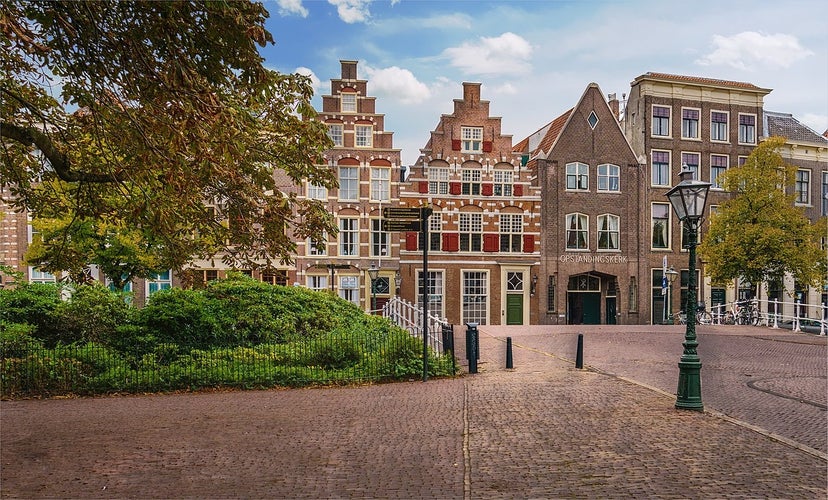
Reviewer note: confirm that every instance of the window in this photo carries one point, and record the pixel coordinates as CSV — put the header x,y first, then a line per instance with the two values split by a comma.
x,y
379,239
435,228
661,121
471,182
200,278
348,102
349,183
349,236
335,133
472,139
503,180
577,177
160,281
317,283
692,162
633,294
317,192
747,129
550,294
317,247
689,123
824,193
718,126
718,166
608,178
471,232
511,232
38,276
802,187
577,232
349,288
660,216
380,184
475,294
364,136
275,277
608,232
435,291
438,180
661,168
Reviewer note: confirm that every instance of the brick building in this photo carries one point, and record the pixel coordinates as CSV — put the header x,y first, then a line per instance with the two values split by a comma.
x,y
368,168
485,227
591,181
708,125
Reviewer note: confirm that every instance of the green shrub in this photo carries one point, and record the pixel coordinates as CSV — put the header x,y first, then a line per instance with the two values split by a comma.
x,y
17,340
91,314
34,304
183,317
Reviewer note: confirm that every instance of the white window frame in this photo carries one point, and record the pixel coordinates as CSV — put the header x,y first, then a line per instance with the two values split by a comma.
x,y
798,187
335,132
747,133
668,229
470,228
349,185
688,124
580,231
348,236
718,132
380,240
312,251
349,288
687,159
475,296
471,139
38,276
579,173
660,125
318,282
717,170
438,180
663,178
380,184
436,292
607,173
503,182
363,136
163,281
348,102
511,233
317,192
613,232
471,181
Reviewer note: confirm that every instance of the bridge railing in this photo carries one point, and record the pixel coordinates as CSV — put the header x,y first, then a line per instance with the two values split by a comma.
x,y
410,317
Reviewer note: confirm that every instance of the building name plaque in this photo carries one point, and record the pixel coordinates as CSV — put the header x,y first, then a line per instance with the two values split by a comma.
x,y
593,259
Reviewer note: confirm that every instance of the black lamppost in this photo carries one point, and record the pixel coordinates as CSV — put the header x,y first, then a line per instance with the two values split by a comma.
x,y
688,198
373,273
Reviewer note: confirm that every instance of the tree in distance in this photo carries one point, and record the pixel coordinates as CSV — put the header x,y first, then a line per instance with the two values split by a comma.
x,y
760,235
148,133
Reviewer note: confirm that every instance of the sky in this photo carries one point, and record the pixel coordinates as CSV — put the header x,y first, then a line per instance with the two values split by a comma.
x,y
535,58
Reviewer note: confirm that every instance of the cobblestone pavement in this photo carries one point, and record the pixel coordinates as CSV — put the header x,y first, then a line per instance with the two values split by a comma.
x,y
541,430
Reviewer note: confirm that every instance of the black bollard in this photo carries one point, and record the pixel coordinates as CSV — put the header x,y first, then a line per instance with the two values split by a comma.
x,y
579,356
509,362
472,346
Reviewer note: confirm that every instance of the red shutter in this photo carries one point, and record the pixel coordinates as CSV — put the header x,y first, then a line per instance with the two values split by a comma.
x,y
491,242
423,186
455,188
528,243
455,144
488,189
451,242
411,241
518,189
487,146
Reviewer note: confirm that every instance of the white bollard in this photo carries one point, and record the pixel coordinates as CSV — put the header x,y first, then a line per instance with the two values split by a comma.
x,y
775,313
822,320
796,316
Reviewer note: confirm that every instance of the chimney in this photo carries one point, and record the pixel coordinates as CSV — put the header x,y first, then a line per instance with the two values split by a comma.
x,y
613,104
349,70
471,92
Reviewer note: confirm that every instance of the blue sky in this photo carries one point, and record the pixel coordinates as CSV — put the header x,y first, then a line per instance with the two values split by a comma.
x,y
536,58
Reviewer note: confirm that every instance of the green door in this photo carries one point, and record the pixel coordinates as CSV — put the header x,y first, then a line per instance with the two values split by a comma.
x,y
592,308
514,309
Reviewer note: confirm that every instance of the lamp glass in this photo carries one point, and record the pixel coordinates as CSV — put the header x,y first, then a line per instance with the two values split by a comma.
x,y
373,272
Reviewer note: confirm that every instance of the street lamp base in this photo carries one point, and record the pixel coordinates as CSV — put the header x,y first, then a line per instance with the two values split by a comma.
x,y
688,396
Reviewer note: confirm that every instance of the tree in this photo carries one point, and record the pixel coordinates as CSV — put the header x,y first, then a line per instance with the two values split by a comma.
x,y
155,122
760,235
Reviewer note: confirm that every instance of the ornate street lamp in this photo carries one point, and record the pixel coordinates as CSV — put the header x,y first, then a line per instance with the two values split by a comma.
x,y
397,282
373,273
688,198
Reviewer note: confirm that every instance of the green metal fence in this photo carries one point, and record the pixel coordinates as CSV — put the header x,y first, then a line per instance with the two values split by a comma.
x,y
27,369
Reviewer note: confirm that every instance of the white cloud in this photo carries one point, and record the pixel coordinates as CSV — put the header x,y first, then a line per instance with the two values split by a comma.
x,y
818,123
506,88
315,81
507,54
397,83
750,50
449,21
352,11
290,7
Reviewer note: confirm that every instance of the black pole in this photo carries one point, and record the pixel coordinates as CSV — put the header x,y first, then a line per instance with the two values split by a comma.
x,y
579,355
509,361
424,213
688,395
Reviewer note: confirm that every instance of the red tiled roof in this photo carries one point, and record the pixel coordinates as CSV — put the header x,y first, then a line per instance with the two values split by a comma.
x,y
698,80
553,130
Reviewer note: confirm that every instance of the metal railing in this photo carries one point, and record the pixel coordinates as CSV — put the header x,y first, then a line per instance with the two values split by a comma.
x,y
410,317
773,313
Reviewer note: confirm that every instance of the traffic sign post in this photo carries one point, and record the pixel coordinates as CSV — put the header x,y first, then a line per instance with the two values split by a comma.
x,y
392,225
402,213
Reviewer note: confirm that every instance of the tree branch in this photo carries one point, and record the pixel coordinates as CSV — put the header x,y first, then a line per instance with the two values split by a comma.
x,y
60,162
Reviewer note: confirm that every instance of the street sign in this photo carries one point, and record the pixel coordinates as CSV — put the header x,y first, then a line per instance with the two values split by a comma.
x,y
392,225
401,213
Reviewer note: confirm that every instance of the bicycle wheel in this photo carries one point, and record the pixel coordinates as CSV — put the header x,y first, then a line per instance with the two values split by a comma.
x,y
704,318
754,317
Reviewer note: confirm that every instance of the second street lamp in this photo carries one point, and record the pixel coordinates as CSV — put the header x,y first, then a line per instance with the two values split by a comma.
x,y
688,198
373,273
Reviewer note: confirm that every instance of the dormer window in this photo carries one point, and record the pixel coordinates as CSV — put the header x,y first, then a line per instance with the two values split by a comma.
x,y
472,139
348,101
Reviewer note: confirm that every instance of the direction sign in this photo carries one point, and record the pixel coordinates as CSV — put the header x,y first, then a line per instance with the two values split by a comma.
x,y
401,213
392,225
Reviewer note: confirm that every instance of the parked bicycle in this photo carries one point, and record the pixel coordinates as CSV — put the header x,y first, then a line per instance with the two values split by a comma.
x,y
703,317
746,313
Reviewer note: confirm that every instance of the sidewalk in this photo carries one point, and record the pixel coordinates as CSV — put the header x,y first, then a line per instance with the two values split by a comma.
x,y
541,430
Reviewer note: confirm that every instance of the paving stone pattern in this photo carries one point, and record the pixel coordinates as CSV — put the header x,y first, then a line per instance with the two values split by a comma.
x,y
541,430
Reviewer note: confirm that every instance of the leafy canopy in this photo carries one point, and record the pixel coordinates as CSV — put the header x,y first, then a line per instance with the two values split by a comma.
x,y
759,234
140,128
